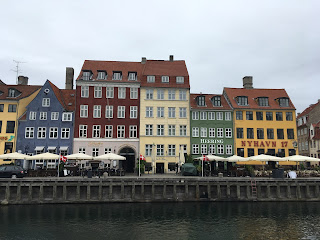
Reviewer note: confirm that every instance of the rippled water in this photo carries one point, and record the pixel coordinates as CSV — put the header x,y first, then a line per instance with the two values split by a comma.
x,y
162,221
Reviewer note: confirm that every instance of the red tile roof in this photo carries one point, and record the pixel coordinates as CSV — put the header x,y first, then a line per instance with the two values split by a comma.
x,y
67,97
253,94
209,105
308,109
26,90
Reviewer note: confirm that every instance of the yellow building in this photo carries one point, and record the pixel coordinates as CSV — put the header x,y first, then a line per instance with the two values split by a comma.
x,y
164,114
264,121
13,102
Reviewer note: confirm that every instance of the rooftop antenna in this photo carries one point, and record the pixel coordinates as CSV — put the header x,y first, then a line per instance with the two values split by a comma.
x,y
17,69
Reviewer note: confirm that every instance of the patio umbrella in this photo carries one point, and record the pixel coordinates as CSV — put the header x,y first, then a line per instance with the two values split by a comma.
x,y
44,156
213,158
79,156
264,158
109,156
13,155
236,158
300,158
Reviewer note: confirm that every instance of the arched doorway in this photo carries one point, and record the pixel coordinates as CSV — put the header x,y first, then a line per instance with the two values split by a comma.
x,y
130,156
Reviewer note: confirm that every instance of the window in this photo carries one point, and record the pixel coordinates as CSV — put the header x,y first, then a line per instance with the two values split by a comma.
x,y
220,149
133,93
83,111
239,115
259,115
53,132
171,150
149,111
96,131
133,112
201,101
182,95
121,131
172,130
220,132
289,116
121,92
55,116
108,131
149,94
195,132
13,92
219,115
195,148
66,117
41,132
228,116
217,101
280,134
160,94
242,101
171,112
260,133
182,112
1,107
203,132
97,92
32,115
117,76
95,152
290,133
102,75
121,111
65,133
212,149
179,79
263,101
109,111
149,128
270,133
133,131
183,130
160,130
165,79
12,108
240,152
203,115
228,132
151,79
239,132
160,149
171,94
132,76
284,102
148,150
212,132
109,92
46,102
203,148
260,151
86,75
279,116
43,116
195,115
269,116
229,149
249,115
250,152
97,111
250,133
29,132
211,115
160,112
83,131
107,150
84,91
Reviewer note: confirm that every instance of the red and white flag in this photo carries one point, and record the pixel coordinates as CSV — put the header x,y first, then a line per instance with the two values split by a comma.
x,y
63,158
205,158
142,157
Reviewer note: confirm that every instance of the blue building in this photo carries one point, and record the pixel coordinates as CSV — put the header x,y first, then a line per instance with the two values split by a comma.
x,y
47,125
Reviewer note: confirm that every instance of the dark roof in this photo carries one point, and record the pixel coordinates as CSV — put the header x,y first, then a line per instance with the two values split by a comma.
x,y
209,104
253,94
66,97
26,90
308,110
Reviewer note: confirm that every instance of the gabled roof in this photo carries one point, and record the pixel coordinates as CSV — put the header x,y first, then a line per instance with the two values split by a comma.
x,y
209,104
26,90
308,110
65,96
253,94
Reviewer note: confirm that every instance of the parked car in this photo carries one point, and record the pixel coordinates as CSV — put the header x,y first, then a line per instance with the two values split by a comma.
x,y
11,171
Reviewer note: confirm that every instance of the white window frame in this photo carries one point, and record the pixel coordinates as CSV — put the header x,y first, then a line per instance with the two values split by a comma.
x,y
45,102
96,131
32,115
160,112
133,112
195,115
108,131
133,93
42,131
84,91
182,95
212,149
149,112
151,79
220,149
83,131
160,150
121,112
229,149
54,131
182,112
148,150
165,79
219,116
149,130
212,132
160,130
133,131
109,92
83,111
171,150
97,92
65,133
211,116
228,132
204,149
171,130
171,112
66,117
43,116
54,116
121,93
203,132
180,79
29,132
220,132
195,148
160,94
121,131
228,116
109,111
97,111
195,132
172,94
203,115
149,94
183,130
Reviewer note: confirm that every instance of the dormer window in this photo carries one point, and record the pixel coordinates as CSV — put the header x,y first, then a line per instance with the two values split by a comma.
x,y
132,76
87,75
201,101
284,102
151,79
165,79
242,100
1,93
263,101
117,76
216,101
179,79
102,75
13,93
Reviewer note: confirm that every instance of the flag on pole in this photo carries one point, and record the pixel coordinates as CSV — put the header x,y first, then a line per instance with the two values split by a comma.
x,y
142,158
63,158
205,158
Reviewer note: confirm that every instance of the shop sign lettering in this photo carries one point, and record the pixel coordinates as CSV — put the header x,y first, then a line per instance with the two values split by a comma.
x,y
211,140
263,144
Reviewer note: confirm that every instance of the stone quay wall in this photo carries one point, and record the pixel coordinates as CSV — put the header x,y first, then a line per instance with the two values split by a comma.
x,y
84,190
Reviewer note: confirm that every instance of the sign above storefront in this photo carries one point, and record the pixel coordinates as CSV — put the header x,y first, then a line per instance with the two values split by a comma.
x,y
211,140
263,144
6,138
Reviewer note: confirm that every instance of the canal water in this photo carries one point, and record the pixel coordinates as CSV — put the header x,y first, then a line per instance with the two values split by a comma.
x,y
232,220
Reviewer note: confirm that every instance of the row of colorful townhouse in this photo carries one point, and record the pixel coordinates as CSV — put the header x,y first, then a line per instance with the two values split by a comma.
x,y
132,108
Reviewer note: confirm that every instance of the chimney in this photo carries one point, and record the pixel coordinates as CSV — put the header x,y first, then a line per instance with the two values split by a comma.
x,y
171,58
143,60
247,82
69,78
22,80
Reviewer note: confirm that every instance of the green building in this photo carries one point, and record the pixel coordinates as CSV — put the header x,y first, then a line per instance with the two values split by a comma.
x,y
211,126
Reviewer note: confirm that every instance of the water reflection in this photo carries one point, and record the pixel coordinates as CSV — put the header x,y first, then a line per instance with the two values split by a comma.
x,y
162,221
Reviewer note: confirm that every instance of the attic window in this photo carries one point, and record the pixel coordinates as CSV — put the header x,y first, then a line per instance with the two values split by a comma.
x,y
13,93
242,100
1,93
263,101
165,79
284,102
151,79
117,75
216,101
87,75
102,75
201,101
179,79
132,76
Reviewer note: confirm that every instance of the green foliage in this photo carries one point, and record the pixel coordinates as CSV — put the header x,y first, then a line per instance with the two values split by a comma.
x,y
189,158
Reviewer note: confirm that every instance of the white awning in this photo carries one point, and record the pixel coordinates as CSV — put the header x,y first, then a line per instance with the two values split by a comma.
x,y
39,148
52,148
63,148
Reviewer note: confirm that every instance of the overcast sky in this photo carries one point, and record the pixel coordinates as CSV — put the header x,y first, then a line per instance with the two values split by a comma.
x,y
276,42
